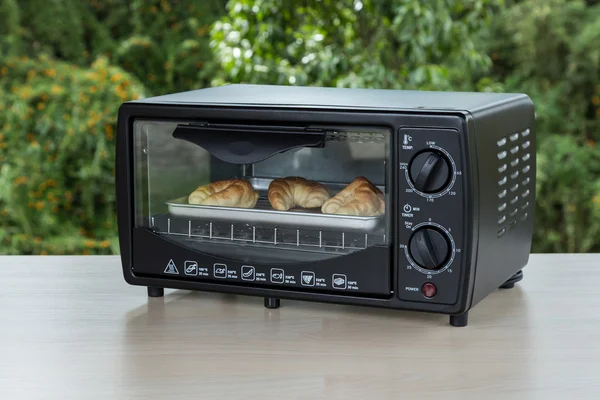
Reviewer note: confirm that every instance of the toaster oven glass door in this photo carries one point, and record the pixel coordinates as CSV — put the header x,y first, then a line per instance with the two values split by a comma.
x,y
175,158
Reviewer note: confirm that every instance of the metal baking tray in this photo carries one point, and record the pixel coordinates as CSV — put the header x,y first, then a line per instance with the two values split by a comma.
x,y
264,214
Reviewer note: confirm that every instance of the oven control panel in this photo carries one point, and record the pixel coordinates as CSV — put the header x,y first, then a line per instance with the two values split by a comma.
x,y
430,217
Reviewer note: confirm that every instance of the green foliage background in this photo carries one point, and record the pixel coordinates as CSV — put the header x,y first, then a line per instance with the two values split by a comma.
x,y
66,66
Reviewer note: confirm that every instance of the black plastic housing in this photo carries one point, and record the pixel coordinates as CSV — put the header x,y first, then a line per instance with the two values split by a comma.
x,y
469,127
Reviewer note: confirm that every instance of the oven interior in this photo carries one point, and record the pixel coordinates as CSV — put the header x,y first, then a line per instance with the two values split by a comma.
x,y
168,168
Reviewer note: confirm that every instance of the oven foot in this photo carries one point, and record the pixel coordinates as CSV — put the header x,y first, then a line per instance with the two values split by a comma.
x,y
459,320
155,291
272,302
510,283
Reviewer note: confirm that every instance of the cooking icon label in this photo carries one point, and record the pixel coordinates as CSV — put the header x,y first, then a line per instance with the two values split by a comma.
x,y
248,273
339,281
220,271
307,278
277,275
191,268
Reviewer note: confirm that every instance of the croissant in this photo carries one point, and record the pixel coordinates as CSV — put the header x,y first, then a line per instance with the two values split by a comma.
x,y
286,193
360,198
227,193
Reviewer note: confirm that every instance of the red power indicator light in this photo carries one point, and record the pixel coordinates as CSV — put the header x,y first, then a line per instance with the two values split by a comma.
x,y
429,290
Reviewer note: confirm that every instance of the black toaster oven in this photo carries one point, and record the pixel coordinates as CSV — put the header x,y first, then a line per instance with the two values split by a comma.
x,y
435,194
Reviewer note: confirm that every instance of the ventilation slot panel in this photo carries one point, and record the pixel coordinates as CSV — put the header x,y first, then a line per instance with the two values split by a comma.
x,y
514,188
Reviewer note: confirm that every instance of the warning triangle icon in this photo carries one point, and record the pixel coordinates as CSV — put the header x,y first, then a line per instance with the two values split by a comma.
x,y
171,268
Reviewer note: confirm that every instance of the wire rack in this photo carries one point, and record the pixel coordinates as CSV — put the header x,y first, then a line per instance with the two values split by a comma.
x,y
254,235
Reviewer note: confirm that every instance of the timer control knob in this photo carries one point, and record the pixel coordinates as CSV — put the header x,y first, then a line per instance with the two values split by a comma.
x,y
429,171
429,248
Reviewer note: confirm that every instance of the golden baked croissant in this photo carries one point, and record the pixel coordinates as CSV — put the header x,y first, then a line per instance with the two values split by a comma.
x,y
286,193
360,198
227,193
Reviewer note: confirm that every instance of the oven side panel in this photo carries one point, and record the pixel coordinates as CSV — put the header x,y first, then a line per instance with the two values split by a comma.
x,y
506,152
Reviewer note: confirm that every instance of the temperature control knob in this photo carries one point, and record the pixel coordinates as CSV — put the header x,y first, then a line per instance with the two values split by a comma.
x,y
429,171
429,248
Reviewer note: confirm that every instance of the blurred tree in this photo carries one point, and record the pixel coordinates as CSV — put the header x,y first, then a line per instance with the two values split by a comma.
x,y
361,43
57,133
550,49
168,45
9,28
162,42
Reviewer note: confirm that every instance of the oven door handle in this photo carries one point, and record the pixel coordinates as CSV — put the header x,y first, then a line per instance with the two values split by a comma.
x,y
239,144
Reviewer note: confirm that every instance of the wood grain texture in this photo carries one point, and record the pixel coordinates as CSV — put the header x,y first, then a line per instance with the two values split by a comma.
x,y
71,328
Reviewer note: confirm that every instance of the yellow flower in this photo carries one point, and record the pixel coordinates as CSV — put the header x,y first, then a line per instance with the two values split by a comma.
x,y
51,72
20,180
56,89
38,240
4,71
165,6
596,100
45,97
116,77
41,106
43,253
88,243
25,92
93,89
596,199
35,144
39,205
104,244
85,252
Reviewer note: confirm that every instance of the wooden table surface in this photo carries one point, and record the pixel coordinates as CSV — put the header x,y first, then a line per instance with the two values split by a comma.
x,y
71,328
